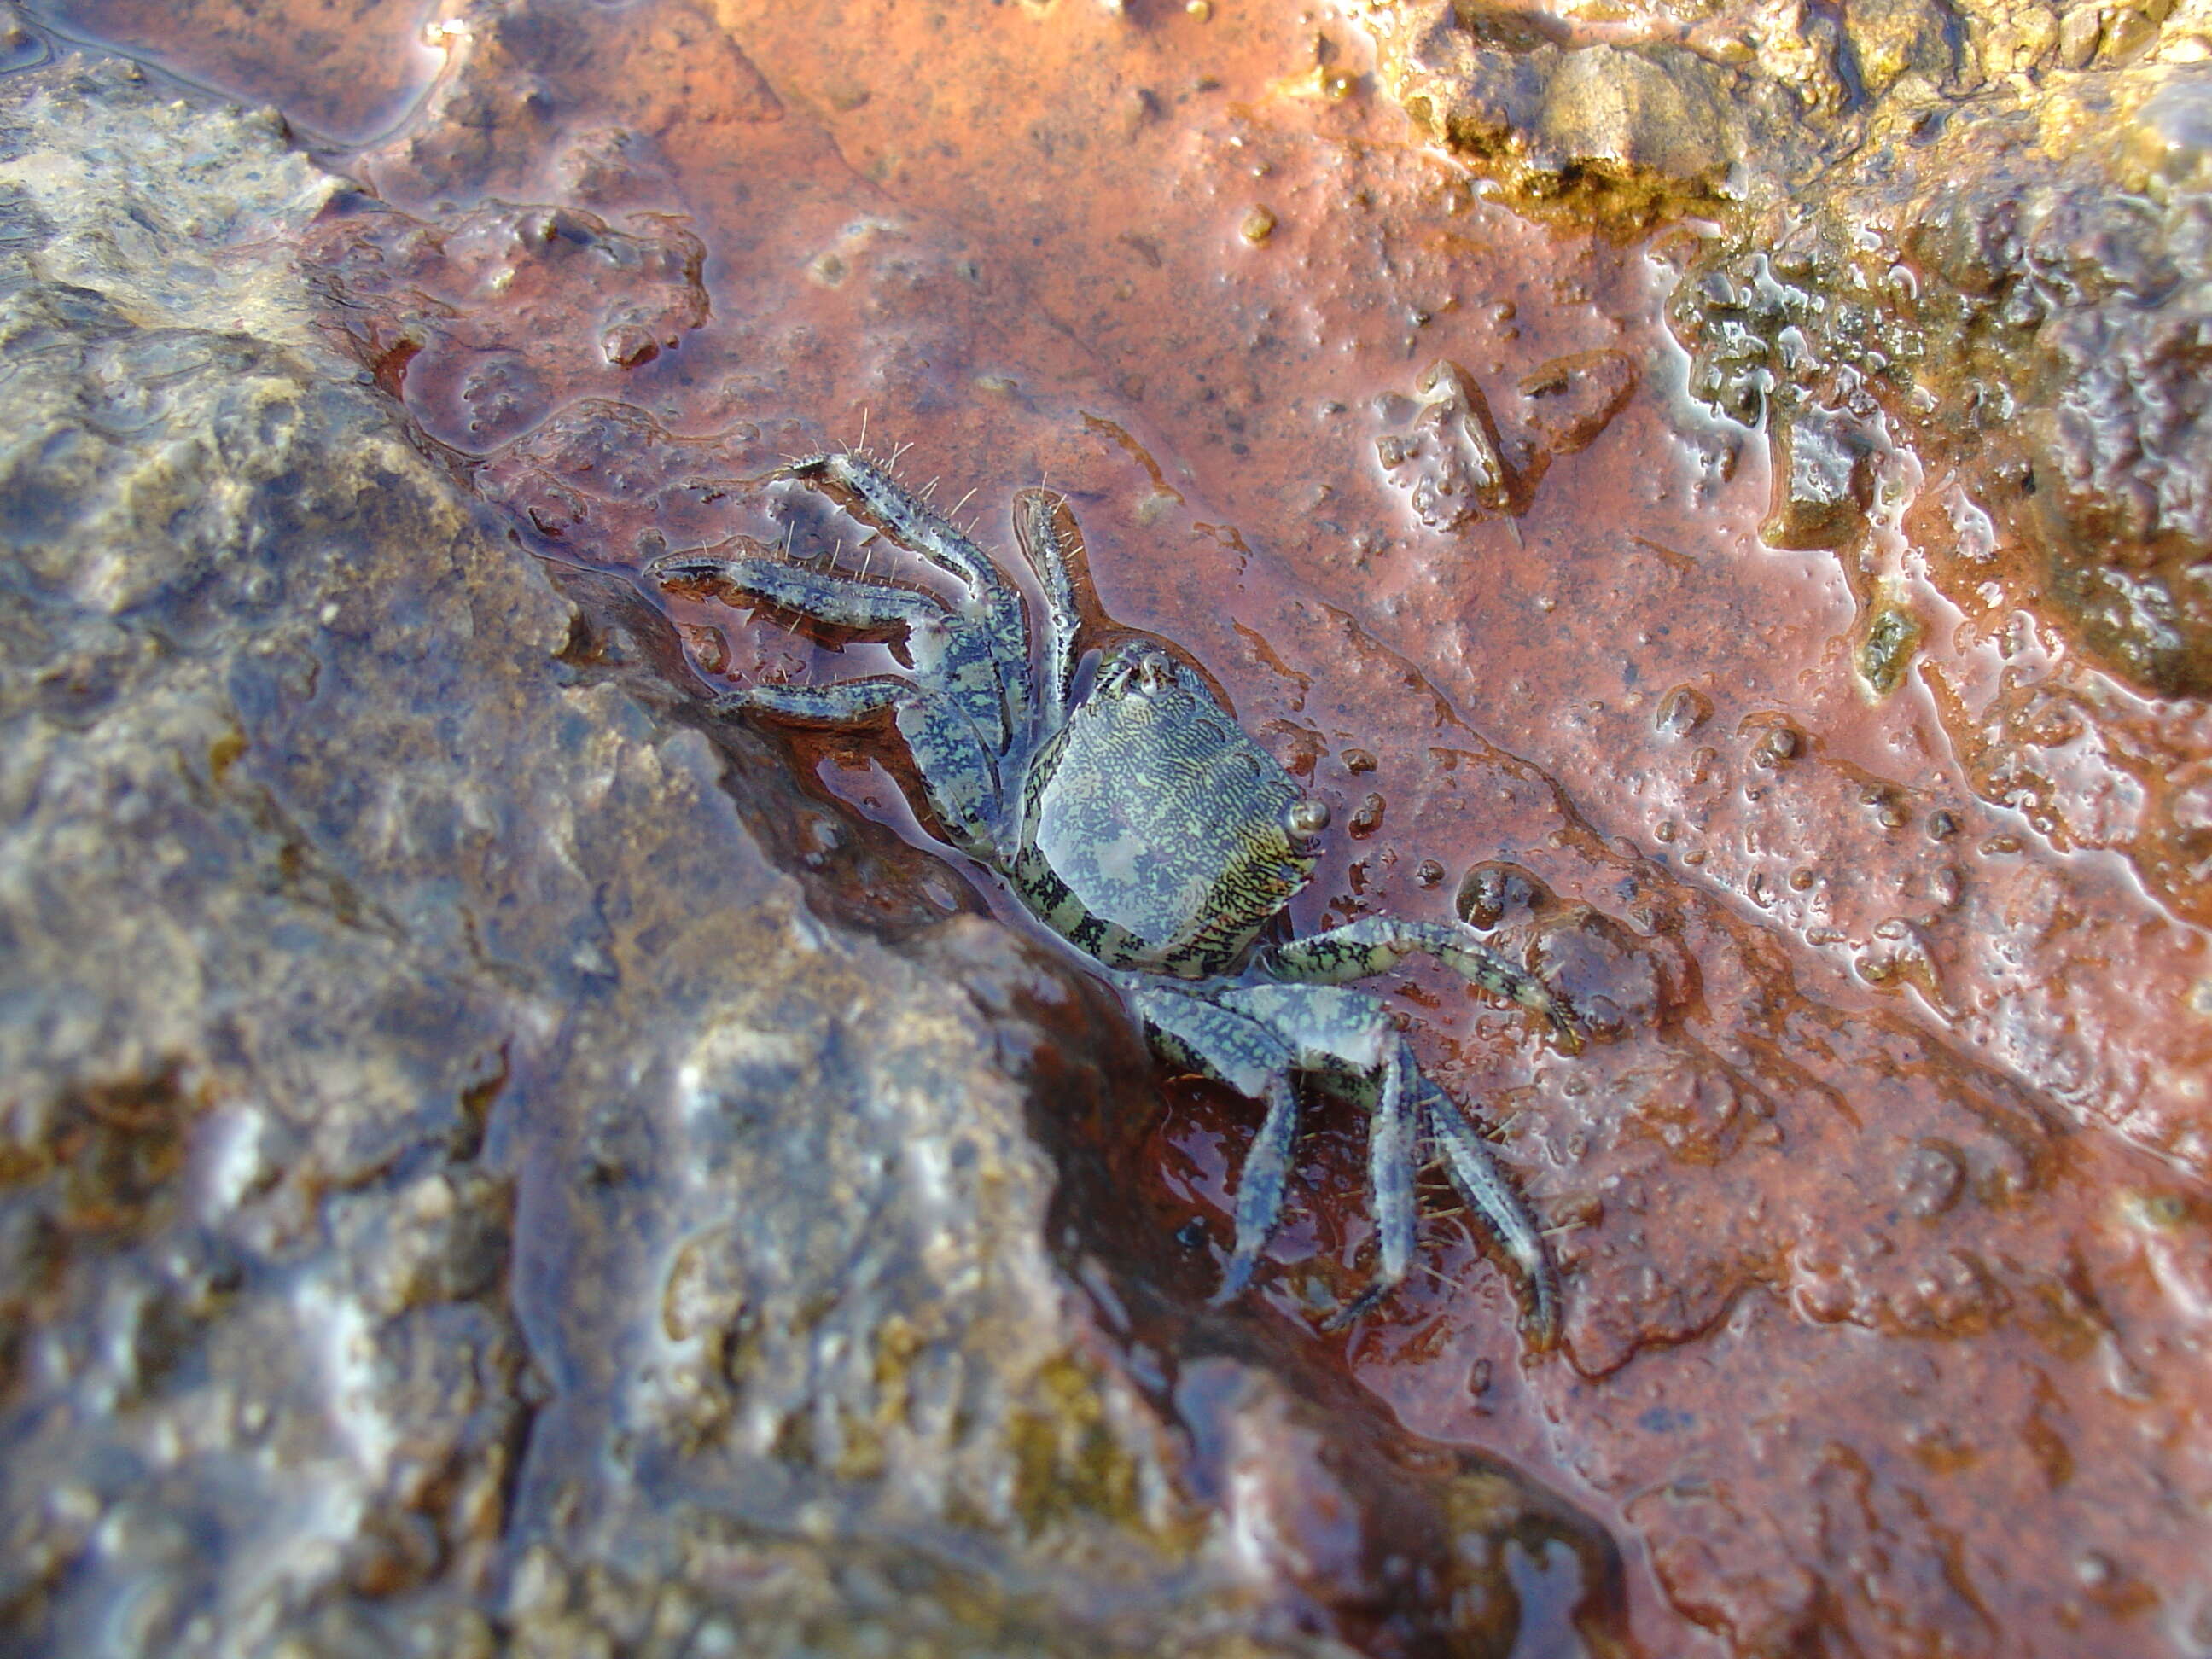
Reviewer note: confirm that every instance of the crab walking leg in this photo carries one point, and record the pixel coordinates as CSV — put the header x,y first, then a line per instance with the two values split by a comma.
x,y
870,495
1390,1168
1053,544
1492,1198
840,601
956,772
1229,1048
950,650
1374,945
1347,1038
1260,1185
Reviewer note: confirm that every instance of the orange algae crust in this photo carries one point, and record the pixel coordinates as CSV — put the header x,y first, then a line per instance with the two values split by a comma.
x,y
1881,1198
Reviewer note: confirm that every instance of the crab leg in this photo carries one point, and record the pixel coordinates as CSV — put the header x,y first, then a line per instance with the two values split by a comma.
x,y
1374,945
1260,1185
1257,1038
1390,1166
1053,544
1492,1198
871,495
1233,1049
951,650
957,778
839,600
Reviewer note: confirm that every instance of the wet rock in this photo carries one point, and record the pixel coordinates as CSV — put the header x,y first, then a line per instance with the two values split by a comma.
x,y
456,1190
259,1264
1669,109
1885,649
2024,297
2103,286
2009,289
1889,40
1455,463
1447,459
536,93
2007,275
1806,1428
409,306
1823,481
1625,133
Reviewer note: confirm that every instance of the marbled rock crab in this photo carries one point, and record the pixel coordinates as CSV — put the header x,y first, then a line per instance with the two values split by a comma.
x,y
1135,819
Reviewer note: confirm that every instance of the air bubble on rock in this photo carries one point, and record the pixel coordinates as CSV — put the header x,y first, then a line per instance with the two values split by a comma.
x,y
1682,711
1448,463
710,648
1931,1177
1489,892
1778,746
819,837
626,345
2161,1212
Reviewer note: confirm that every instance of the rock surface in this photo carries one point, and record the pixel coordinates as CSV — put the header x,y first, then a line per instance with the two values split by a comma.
x,y
2017,314
457,1193
1879,1194
1966,240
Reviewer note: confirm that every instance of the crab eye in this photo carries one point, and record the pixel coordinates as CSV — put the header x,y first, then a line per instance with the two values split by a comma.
x,y
1153,674
1306,817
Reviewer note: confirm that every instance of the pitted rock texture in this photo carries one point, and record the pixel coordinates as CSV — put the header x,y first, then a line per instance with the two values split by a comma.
x,y
2023,296
1952,264
2015,311
1829,1268
458,1194
1882,1337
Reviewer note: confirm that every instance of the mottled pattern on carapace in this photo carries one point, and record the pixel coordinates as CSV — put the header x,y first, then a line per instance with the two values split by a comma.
x,y
1124,842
